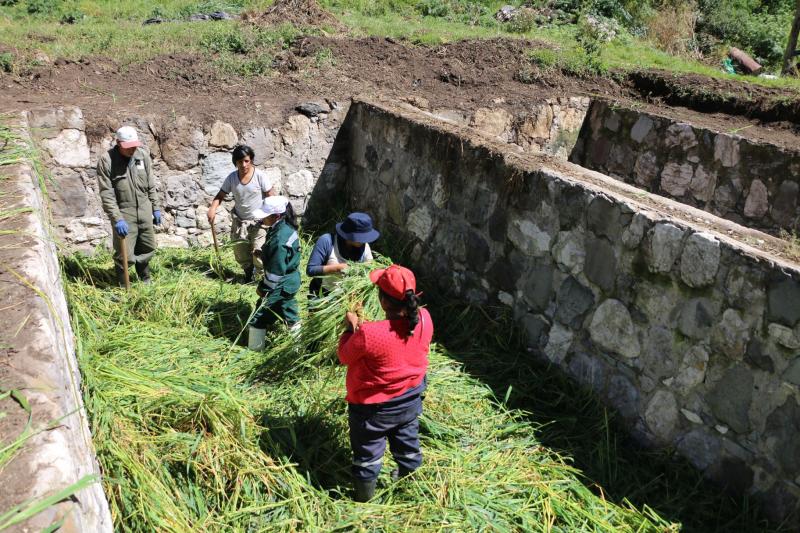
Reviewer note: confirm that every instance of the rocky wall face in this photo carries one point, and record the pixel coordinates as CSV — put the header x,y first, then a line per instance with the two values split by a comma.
x,y
692,340
753,184
190,162
550,127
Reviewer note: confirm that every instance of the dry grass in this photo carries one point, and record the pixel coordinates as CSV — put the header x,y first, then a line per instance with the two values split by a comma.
x,y
672,29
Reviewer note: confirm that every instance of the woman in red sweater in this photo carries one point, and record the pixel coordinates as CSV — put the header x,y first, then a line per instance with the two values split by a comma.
x,y
386,363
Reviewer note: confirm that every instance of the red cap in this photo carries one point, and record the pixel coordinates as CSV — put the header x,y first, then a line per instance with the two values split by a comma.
x,y
394,281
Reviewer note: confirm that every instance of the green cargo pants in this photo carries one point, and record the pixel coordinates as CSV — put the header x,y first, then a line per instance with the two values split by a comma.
x,y
282,306
140,241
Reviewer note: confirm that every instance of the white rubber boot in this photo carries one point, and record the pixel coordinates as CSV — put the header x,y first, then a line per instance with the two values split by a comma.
x,y
255,339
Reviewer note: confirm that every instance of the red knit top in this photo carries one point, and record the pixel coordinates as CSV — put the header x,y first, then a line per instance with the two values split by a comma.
x,y
381,362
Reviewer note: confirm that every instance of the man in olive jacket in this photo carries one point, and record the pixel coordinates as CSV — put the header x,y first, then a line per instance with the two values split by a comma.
x,y
128,194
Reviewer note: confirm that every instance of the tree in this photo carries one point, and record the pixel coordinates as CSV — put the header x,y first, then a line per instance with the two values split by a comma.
x,y
791,46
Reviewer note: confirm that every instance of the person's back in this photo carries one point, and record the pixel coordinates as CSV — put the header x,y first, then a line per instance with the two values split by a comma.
x,y
382,361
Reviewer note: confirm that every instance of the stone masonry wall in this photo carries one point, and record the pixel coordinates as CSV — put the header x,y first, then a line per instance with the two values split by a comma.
x,y
695,341
190,162
751,183
551,126
37,357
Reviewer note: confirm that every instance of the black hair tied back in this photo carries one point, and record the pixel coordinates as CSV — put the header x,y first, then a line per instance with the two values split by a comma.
x,y
411,301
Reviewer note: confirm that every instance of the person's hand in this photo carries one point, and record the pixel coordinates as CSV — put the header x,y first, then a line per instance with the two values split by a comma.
x,y
339,268
121,227
212,213
157,217
352,322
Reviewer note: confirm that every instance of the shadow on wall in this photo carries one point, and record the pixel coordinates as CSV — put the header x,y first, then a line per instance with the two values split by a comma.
x,y
571,419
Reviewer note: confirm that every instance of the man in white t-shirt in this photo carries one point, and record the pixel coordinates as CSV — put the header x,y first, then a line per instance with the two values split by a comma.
x,y
249,187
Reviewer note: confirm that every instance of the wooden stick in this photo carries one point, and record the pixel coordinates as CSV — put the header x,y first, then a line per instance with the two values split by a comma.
x,y
125,263
214,236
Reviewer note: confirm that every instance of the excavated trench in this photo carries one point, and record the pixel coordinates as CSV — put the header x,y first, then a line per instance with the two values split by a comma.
x,y
634,252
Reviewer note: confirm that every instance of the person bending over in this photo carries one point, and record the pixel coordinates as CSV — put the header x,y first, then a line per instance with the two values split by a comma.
x,y
281,259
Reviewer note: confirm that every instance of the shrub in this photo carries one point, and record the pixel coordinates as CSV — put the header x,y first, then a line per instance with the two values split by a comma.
x,y
43,7
523,21
6,62
672,29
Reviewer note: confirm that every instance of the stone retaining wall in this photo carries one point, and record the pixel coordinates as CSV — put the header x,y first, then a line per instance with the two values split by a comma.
x,y
37,357
190,162
751,183
694,339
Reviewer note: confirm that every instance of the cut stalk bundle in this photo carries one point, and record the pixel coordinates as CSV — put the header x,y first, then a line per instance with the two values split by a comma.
x,y
188,441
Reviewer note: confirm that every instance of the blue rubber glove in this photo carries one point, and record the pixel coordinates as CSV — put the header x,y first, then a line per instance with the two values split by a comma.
x,y
122,227
157,217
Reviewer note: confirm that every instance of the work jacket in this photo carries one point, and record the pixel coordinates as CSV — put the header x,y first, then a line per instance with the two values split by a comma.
x,y
281,258
127,186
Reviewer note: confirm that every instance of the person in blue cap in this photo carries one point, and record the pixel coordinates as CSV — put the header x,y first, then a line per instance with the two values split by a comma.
x,y
332,251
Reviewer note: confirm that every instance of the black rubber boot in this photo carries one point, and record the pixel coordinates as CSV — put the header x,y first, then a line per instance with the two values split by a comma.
x,y
143,269
365,490
248,275
399,473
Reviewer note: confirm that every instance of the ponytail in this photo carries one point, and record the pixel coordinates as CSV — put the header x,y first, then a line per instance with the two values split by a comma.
x,y
411,302
289,217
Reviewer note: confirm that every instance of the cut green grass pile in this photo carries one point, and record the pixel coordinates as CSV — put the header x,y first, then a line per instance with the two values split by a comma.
x,y
196,433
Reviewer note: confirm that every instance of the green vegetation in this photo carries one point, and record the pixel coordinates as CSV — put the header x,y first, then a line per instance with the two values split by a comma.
x,y
194,432
664,34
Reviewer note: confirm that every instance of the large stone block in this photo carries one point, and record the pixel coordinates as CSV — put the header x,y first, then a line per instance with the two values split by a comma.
x,y
300,183
757,202
183,142
642,127
701,447
537,289
784,206
68,197
676,177
731,335
604,218
601,265
573,302
612,329
692,370
696,317
681,136
731,396
214,168
568,251
181,192
222,135
529,238
726,150
262,141
661,415
783,302
665,247
784,425
69,148
558,344
700,260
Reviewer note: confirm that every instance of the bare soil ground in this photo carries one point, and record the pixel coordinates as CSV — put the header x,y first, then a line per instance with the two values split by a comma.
x,y
465,74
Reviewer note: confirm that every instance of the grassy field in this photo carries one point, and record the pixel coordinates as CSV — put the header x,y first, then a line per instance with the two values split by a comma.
x,y
194,432
116,30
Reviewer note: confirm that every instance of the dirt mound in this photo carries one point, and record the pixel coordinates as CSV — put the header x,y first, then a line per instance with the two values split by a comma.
x,y
301,13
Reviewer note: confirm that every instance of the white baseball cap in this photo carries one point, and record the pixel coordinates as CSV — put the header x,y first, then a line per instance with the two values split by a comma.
x,y
273,205
127,137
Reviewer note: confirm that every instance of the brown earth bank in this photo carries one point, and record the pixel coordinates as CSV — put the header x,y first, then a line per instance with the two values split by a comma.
x,y
465,74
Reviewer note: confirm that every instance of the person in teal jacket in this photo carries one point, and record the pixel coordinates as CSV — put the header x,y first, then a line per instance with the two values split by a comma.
x,y
280,256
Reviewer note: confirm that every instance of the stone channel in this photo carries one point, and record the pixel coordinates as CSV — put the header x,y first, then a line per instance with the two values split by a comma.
x,y
692,336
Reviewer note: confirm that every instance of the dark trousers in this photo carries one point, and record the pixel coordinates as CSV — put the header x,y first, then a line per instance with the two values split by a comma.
x,y
371,425
282,306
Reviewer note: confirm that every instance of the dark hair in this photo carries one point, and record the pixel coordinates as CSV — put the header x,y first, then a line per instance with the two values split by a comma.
x,y
241,151
289,215
410,303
